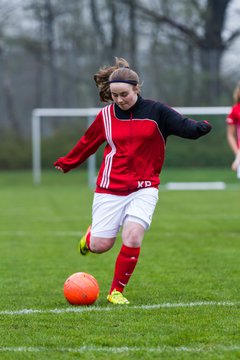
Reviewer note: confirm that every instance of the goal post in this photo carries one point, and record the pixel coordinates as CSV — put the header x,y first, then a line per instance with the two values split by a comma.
x,y
38,115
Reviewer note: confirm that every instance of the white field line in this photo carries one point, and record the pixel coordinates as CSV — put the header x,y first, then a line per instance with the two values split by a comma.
x,y
125,349
84,309
21,233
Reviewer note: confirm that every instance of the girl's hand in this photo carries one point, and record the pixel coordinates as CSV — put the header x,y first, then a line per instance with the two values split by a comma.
x,y
59,168
236,162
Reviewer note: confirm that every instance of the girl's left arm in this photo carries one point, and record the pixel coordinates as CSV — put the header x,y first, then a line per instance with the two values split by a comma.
x,y
176,124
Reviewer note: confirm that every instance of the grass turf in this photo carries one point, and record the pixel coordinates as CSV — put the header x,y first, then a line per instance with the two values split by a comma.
x,y
190,254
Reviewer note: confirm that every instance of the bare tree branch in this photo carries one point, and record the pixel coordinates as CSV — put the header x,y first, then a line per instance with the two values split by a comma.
x,y
96,22
231,38
166,20
189,32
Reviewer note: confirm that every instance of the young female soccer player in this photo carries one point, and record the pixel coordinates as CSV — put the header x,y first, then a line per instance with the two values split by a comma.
x,y
135,131
233,128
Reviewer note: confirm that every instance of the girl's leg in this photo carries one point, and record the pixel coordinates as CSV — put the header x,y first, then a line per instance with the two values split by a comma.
x,y
132,236
138,215
106,217
90,243
99,245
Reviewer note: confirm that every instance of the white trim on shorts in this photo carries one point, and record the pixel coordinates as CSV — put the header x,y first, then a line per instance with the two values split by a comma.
x,y
136,220
110,211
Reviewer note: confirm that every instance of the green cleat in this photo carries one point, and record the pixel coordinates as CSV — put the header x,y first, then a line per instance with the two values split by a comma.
x,y
82,246
117,298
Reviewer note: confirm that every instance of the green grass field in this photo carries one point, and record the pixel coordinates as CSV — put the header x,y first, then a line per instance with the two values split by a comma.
x,y
184,293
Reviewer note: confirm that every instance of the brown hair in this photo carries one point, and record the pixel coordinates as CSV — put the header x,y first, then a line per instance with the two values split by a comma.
x,y
120,71
236,93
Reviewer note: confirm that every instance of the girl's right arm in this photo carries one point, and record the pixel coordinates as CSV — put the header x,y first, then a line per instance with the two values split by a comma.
x,y
86,146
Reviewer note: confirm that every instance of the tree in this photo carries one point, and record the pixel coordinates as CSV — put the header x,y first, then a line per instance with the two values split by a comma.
x,y
108,39
119,34
44,47
202,31
9,113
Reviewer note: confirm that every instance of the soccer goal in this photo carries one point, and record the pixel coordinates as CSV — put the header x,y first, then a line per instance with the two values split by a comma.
x,y
39,115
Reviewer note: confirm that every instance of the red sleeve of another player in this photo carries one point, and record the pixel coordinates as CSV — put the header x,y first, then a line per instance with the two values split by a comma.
x,y
86,146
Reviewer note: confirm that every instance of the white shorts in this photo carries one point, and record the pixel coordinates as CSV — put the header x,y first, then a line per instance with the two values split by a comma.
x,y
110,211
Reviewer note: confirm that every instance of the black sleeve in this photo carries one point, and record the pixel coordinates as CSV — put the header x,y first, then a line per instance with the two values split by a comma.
x,y
173,123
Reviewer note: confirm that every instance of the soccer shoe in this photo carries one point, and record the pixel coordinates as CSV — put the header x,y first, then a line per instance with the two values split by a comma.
x,y
82,246
117,298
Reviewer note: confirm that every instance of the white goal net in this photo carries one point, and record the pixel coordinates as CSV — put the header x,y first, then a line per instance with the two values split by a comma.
x,y
39,115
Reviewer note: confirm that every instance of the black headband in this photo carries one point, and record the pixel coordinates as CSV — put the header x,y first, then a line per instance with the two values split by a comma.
x,y
132,82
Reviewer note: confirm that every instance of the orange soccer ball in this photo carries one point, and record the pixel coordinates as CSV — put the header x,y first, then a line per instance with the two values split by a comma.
x,y
81,289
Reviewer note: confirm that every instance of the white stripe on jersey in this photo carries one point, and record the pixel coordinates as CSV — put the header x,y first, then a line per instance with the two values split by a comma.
x,y
109,158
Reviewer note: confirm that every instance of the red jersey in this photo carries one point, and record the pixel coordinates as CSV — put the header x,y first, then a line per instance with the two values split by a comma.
x,y
234,119
135,144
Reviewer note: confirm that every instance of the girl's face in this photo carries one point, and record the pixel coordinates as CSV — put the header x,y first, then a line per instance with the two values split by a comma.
x,y
124,95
